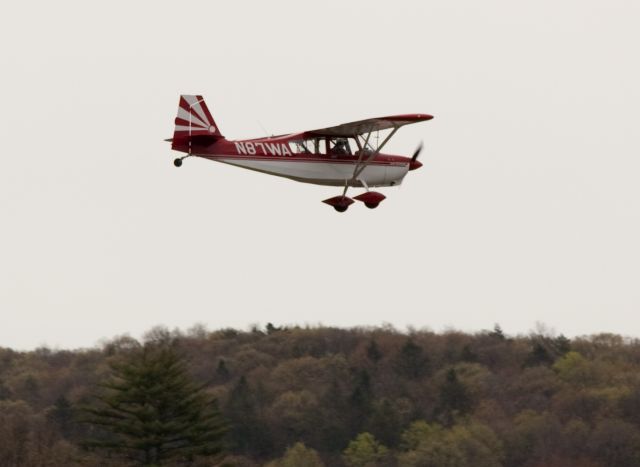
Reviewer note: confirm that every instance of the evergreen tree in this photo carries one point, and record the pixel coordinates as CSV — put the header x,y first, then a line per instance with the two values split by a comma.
x,y
334,429
562,344
454,399
32,389
362,395
468,355
373,352
411,361
62,415
222,372
360,402
150,411
247,434
497,333
385,423
539,355
5,392
629,406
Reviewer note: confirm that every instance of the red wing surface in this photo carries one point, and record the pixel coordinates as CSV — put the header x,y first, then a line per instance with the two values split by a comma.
x,y
362,127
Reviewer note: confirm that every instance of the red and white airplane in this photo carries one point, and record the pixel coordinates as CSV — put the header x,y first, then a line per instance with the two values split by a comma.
x,y
343,155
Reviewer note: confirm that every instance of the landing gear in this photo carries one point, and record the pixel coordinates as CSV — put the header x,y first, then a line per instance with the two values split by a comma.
x,y
371,199
178,162
339,203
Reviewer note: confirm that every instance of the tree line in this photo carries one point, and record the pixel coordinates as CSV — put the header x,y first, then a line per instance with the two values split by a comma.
x,y
322,396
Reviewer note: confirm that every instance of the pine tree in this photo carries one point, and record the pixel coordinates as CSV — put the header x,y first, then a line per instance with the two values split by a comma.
x,y
539,355
248,433
411,361
497,333
454,399
385,423
373,352
562,344
334,429
150,411
361,400
468,355
362,394
62,415
222,372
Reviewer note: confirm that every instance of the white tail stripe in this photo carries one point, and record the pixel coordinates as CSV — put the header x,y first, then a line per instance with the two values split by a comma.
x,y
195,106
190,117
193,128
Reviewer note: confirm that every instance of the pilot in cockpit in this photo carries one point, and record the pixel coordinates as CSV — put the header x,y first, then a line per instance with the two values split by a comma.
x,y
341,147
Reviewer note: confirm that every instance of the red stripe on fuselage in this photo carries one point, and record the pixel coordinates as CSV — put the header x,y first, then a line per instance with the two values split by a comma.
x,y
299,159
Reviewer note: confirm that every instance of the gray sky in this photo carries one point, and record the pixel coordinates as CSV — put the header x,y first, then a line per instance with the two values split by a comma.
x,y
527,208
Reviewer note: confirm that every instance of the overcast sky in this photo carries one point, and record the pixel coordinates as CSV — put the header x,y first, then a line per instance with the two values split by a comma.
x,y
527,208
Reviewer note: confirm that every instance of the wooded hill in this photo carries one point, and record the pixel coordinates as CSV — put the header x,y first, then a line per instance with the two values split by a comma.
x,y
357,397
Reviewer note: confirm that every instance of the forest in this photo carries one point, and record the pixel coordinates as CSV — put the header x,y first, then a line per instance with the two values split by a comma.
x,y
324,396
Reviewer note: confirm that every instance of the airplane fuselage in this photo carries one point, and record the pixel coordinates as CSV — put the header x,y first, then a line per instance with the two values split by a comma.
x,y
275,156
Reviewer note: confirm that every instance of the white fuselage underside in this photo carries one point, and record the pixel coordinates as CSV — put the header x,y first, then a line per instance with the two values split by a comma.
x,y
322,173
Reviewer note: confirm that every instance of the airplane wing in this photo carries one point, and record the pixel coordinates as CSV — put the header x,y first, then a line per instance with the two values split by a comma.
x,y
366,126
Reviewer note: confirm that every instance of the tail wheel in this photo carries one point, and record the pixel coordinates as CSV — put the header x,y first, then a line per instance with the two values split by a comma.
x,y
177,162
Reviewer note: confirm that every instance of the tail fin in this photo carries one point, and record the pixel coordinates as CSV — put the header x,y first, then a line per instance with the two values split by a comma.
x,y
194,119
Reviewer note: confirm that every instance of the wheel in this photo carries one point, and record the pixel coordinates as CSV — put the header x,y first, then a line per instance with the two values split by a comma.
x,y
371,205
177,162
340,208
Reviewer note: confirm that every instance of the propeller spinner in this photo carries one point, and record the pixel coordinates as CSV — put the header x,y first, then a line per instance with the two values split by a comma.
x,y
415,164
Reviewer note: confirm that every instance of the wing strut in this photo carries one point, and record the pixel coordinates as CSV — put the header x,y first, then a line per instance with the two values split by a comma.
x,y
360,166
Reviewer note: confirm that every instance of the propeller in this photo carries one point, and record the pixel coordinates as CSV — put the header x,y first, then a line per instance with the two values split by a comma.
x,y
415,164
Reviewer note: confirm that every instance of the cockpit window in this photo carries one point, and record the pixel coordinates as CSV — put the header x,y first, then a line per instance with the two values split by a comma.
x,y
308,146
336,146
299,147
340,147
